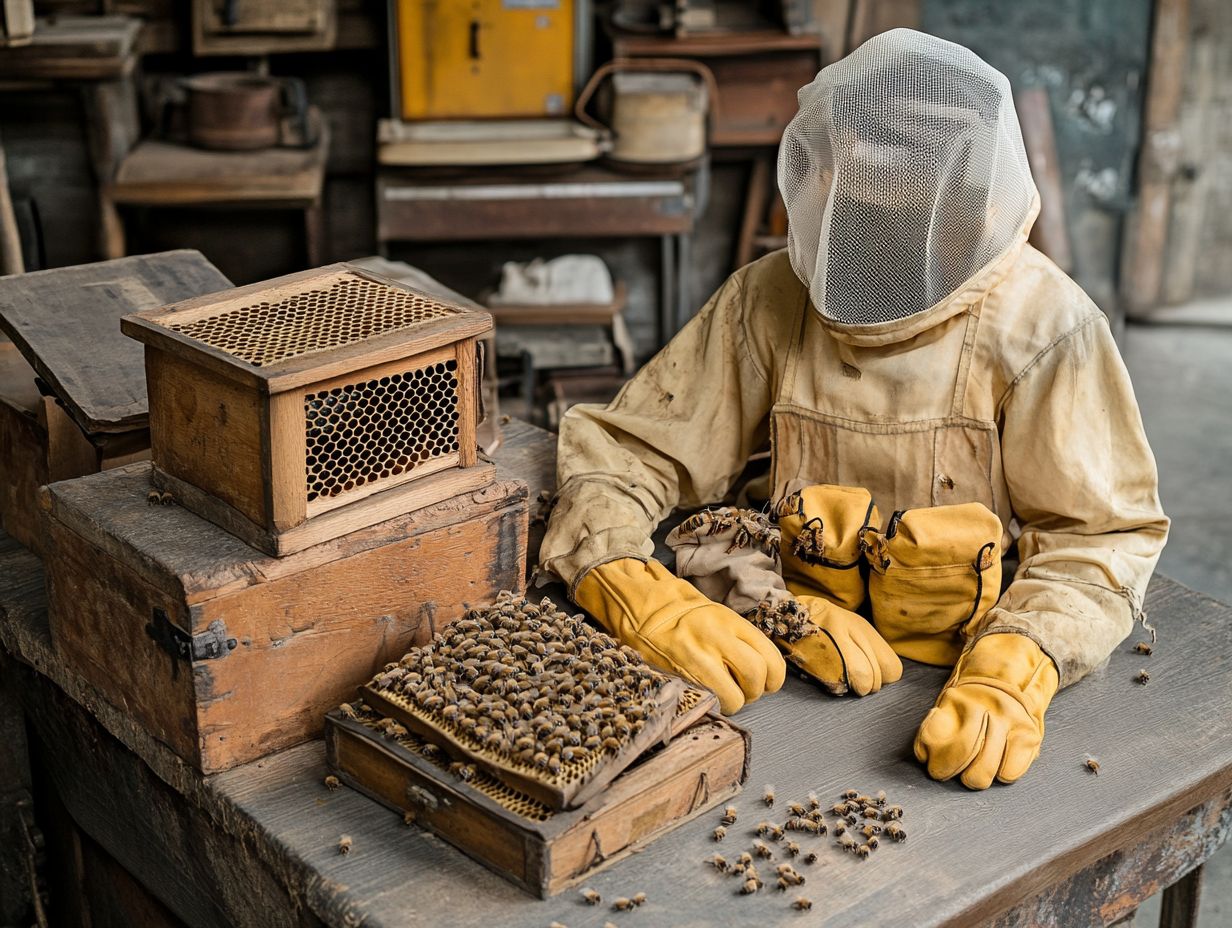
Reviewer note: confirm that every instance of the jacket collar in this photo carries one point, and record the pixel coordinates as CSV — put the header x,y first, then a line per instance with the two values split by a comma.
x,y
969,293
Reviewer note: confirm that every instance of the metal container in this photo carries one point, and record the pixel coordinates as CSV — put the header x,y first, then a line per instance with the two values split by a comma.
x,y
239,111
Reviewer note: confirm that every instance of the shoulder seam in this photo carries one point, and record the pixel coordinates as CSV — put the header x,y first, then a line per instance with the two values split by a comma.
x,y
746,340
1095,316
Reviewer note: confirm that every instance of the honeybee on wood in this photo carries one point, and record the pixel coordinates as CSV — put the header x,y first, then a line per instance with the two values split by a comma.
x,y
869,830
408,818
624,905
775,833
719,862
846,842
840,828
1091,764
782,884
863,851
849,794
802,904
767,796
348,711
796,809
761,850
332,782
873,843
729,815
871,812
557,925
880,799
763,828
811,858
638,899
793,849
839,808
591,897
395,731
895,832
719,833
1143,677
1143,648
345,843
813,802
744,861
892,813
151,498
750,886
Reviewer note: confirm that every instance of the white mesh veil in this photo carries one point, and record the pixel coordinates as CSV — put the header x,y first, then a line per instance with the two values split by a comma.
x,y
904,174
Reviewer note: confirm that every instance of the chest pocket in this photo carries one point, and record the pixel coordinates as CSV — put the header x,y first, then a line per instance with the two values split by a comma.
x,y
907,465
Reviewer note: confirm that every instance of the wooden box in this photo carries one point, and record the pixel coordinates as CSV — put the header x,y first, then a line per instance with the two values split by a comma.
x,y
294,411
72,387
540,850
226,654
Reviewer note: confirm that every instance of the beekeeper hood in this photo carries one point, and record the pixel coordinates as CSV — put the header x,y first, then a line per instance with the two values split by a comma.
x,y
904,175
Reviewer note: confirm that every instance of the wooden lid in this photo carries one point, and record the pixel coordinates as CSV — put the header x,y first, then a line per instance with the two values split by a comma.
x,y
66,323
291,331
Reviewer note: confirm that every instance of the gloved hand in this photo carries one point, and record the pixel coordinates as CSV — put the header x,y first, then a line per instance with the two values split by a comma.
x,y
674,626
822,541
989,719
847,655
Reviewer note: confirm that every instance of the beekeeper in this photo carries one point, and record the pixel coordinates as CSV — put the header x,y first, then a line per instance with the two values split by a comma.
x,y
908,342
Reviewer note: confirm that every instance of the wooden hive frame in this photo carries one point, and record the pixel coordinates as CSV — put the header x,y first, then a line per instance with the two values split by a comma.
x,y
299,409
541,850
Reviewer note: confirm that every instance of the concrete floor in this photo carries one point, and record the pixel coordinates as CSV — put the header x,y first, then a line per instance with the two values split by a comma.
x,y
1183,378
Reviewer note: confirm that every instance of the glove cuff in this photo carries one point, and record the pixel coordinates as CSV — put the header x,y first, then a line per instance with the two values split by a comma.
x,y
1013,664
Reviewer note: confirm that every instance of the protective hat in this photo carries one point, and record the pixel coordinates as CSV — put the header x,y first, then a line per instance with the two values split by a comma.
x,y
904,175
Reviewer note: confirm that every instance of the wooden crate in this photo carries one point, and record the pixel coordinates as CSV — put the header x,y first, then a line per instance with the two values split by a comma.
x,y
226,654
294,411
524,841
72,387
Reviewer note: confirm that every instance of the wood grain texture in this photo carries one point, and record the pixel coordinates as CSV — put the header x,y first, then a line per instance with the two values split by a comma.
x,y
66,322
23,449
81,48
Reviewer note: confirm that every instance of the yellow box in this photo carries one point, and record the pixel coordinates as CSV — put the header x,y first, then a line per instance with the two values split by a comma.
x,y
461,59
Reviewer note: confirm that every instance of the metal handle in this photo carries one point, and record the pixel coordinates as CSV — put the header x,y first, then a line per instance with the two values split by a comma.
x,y
646,64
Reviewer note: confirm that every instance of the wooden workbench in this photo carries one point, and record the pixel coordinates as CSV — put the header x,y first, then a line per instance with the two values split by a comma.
x,y
256,845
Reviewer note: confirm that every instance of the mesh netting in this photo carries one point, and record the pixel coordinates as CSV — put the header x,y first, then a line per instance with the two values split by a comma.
x,y
904,174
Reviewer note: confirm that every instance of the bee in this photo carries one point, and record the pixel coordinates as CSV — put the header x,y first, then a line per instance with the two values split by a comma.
x,y
802,904
775,833
880,799
332,782
873,842
840,828
846,842
344,844
813,802
151,498
1143,677
811,858
348,711
839,808
793,849
849,794
871,812
557,925
892,813
395,731
750,886
1091,764
767,796
638,899
1143,648
744,861
851,818
763,828
782,884
408,818
591,897
719,833
796,809
863,851
869,830
762,850
623,905
719,862
783,869
729,815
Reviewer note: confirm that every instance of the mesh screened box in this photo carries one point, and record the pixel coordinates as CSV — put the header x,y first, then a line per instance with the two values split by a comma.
x,y
299,409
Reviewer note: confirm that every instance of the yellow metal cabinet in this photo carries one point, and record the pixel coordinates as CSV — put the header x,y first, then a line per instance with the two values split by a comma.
x,y
462,59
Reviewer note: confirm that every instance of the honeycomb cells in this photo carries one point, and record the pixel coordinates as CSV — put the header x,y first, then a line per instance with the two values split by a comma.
x,y
350,310
361,433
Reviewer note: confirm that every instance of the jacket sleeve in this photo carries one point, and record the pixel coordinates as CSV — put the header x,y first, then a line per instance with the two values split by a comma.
x,y
677,434
1084,488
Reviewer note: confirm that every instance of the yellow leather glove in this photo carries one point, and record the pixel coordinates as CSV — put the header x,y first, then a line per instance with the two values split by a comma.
x,y
847,655
822,541
674,626
989,719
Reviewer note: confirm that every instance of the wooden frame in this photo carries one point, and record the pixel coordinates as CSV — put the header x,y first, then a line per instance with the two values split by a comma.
x,y
701,768
229,434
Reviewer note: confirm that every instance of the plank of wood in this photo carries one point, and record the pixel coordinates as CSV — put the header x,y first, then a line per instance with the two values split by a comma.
x,y
66,323
265,27
163,173
1049,234
85,48
1164,748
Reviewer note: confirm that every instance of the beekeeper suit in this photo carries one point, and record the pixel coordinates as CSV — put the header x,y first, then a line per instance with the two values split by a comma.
x,y
908,342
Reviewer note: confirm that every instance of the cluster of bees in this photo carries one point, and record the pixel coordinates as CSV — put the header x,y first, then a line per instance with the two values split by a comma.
x,y
787,620
751,529
858,823
528,683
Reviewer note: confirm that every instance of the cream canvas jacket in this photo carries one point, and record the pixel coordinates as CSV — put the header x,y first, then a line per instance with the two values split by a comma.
x,y
1011,392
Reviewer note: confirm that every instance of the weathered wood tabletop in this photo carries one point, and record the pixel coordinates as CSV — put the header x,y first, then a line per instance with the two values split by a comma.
x,y
258,844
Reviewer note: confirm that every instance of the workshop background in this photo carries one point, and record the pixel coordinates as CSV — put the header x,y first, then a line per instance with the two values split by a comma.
x,y
380,150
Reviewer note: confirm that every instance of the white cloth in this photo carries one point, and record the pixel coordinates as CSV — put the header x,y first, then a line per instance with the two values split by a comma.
x,y
567,279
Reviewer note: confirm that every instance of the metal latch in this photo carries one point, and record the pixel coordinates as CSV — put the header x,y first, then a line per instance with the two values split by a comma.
x,y
209,645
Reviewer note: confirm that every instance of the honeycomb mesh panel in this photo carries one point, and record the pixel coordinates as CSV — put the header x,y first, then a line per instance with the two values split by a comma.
x,y
506,797
349,310
360,433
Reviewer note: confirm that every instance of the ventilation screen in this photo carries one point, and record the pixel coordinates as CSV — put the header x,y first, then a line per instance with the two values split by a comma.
x,y
360,433
348,311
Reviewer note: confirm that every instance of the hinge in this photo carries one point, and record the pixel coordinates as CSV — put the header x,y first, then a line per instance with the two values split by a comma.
x,y
209,645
